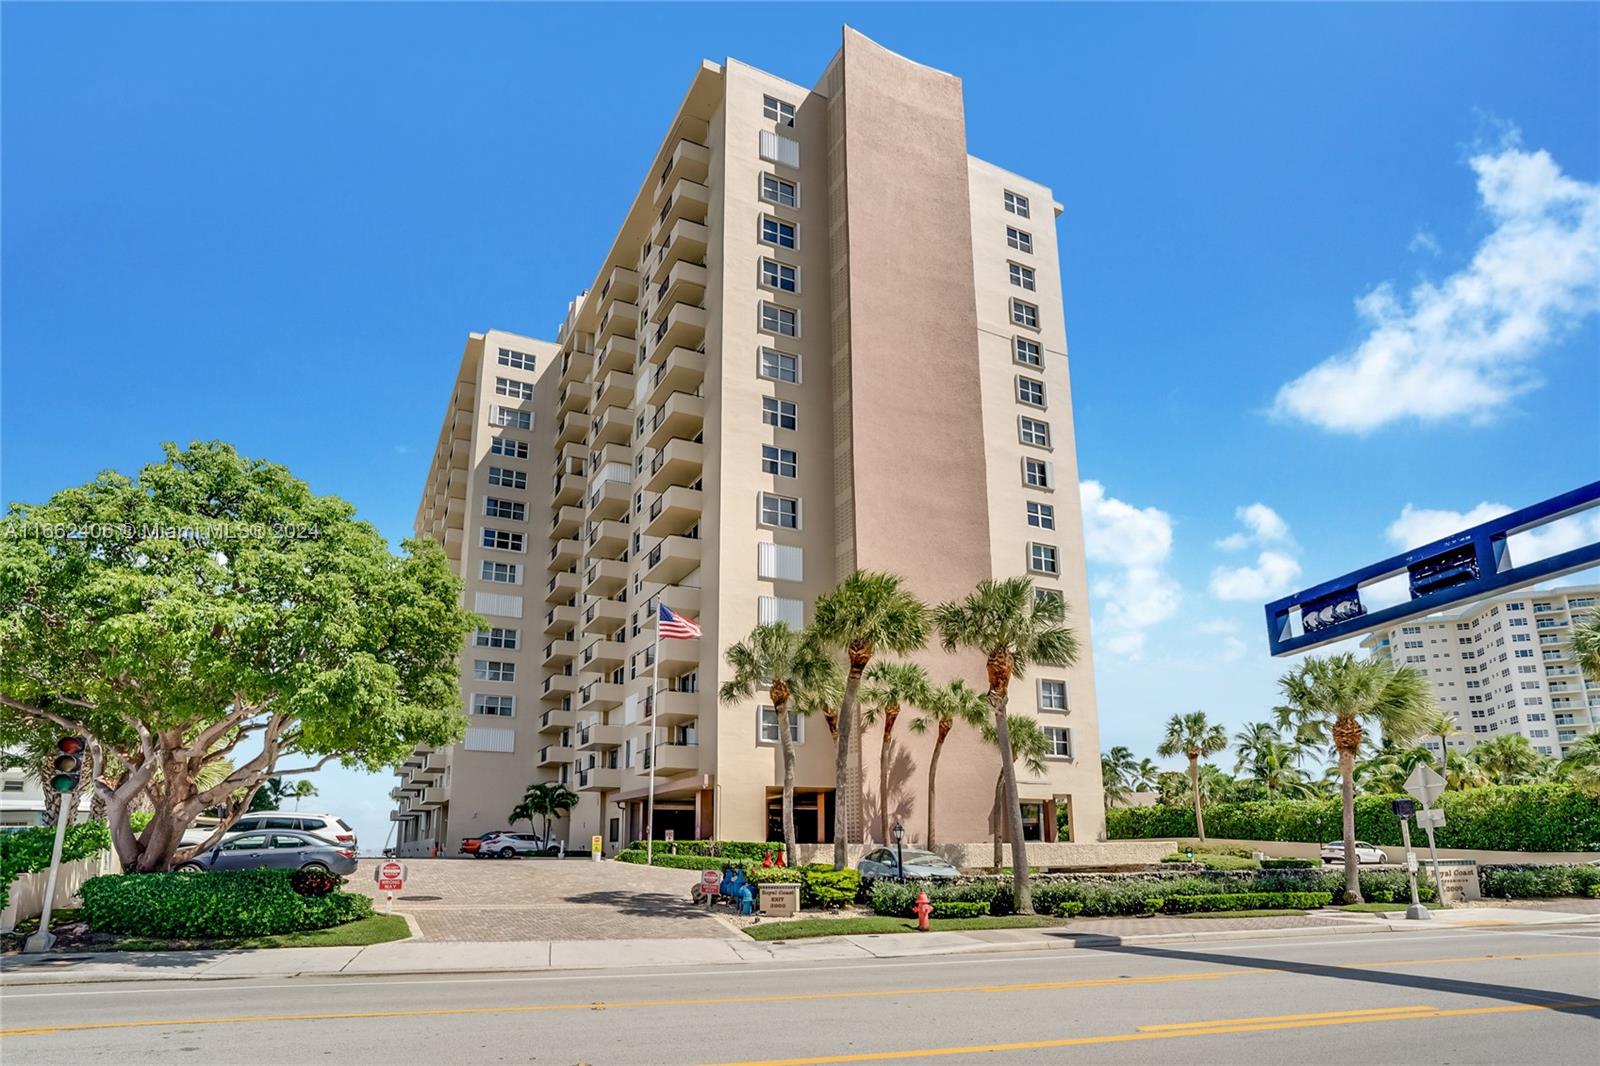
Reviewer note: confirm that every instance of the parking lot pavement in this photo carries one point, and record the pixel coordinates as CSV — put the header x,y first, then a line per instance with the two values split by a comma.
x,y
545,899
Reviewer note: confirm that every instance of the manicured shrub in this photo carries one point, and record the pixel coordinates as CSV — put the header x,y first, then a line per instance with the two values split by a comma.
x,y
1542,817
828,887
1537,881
221,904
1245,901
28,850
956,908
678,862
314,882
742,850
768,875
1068,909
1290,864
1216,861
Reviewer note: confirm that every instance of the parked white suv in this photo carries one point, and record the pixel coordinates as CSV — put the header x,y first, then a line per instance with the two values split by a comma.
x,y
1365,853
329,827
510,845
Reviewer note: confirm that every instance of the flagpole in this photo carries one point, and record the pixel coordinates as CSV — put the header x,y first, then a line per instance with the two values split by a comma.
x,y
650,805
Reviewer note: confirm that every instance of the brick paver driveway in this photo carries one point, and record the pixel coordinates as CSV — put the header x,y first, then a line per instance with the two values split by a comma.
x,y
546,899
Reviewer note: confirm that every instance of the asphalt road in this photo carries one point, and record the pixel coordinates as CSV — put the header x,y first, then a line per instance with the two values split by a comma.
x,y
1480,996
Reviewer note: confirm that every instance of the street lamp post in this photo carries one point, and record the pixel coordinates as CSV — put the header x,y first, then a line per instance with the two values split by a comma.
x,y
899,834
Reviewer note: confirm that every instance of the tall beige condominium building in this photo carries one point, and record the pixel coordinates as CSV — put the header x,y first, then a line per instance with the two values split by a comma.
x,y
1503,665
825,338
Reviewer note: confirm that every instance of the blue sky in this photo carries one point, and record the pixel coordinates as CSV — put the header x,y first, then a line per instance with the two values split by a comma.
x,y
276,224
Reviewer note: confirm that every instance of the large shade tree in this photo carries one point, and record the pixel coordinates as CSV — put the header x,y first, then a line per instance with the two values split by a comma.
x,y
783,661
867,613
1013,627
1193,737
942,709
1334,699
891,686
213,609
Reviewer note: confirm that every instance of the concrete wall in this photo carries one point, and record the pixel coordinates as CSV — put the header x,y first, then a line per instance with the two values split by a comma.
x,y
26,898
1279,849
1059,856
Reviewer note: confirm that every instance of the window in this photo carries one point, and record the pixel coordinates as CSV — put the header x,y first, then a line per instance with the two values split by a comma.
x,y
780,511
769,726
777,232
502,539
1017,205
493,508
1019,239
1042,558
1024,314
780,562
510,417
790,612
776,412
516,360
778,149
1027,352
510,479
1058,742
504,573
1044,595
1035,431
1037,474
780,366
497,637
777,110
1030,391
1052,695
780,276
14,785
779,461
516,449
503,706
1022,276
777,191
784,321
493,670
1041,515
517,390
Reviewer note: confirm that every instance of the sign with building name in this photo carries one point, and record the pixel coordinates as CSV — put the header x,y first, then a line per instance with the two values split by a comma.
x,y
1458,880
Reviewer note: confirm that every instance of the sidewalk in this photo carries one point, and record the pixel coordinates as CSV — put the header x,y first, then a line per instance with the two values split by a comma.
x,y
445,957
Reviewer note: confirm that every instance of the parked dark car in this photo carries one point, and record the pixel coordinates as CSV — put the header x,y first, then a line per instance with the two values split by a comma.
x,y
278,849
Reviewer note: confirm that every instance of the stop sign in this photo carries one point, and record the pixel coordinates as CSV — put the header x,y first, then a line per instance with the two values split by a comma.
x,y
390,876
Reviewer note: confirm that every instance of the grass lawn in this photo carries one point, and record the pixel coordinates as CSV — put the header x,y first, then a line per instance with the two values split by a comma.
x,y
798,928
378,929
1266,913
1379,908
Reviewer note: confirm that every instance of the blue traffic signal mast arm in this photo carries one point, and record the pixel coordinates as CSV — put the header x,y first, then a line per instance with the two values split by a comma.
x,y
1468,565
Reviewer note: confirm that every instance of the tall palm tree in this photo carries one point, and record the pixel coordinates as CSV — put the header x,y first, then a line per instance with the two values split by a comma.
x,y
1013,628
1029,747
1278,772
867,613
1511,760
302,790
1586,646
549,799
1117,768
941,710
1580,766
1330,698
1442,724
1252,743
780,660
1460,771
1191,735
891,685
522,812
1385,773
1145,776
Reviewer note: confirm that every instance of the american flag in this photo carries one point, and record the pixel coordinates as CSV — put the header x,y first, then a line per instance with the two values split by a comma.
x,y
676,627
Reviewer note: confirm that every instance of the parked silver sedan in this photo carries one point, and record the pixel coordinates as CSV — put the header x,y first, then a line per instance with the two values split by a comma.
x,y
919,865
279,849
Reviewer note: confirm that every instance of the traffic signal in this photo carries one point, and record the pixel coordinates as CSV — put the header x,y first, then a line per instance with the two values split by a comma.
x,y
70,752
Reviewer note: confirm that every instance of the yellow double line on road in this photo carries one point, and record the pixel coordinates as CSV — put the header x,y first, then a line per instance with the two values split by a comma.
x,y
719,1001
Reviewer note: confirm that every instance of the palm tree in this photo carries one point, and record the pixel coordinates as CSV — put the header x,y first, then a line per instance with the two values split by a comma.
x,y
1511,760
1442,724
1252,743
522,812
1013,628
1460,771
303,789
1192,736
549,799
1277,771
780,660
1146,775
1116,774
1330,698
1586,646
1581,765
942,709
1385,773
890,685
1029,747
869,612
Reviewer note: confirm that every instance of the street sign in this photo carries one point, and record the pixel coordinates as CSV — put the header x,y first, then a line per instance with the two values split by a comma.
x,y
391,876
1411,862
1425,784
1405,808
710,883
596,851
1432,818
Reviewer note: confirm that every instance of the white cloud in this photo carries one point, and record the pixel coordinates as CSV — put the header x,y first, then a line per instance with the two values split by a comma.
x,y
1423,241
1263,525
1417,526
1464,347
1230,648
1130,546
1272,575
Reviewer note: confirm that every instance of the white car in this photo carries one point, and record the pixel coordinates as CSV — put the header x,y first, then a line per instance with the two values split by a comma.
x,y
1365,853
510,845
335,830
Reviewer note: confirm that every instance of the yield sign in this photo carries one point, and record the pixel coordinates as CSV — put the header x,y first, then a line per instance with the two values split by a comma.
x,y
1425,784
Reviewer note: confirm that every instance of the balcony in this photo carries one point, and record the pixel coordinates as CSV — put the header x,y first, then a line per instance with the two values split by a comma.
x,y
565,522
617,354
620,284
573,397
682,327
434,796
605,577
401,816
601,696
564,553
689,201
572,427
561,588
554,755
603,655
679,655
614,390
689,159
575,362
684,241
673,759
674,559
609,500
676,708
573,458
684,370
596,737
556,720
560,619
433,766
605,616
620,320
682,417
614,425
559,686
675,511
599,779
683,599
607,540
685,283
558,653
681,462
566,489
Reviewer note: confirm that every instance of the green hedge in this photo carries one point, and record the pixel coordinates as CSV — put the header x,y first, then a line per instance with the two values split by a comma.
x,y
1246,901
220,904
1544,817
742,850
827,887
27,851
1216,861
677,862
1291,864
1532,881
955,908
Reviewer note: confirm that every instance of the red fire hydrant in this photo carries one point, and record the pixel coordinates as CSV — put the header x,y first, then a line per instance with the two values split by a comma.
x,y
922,908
